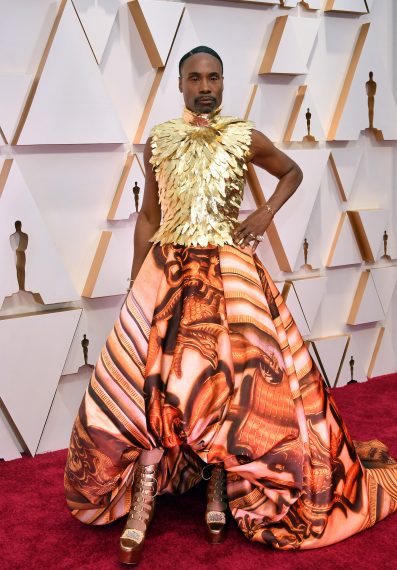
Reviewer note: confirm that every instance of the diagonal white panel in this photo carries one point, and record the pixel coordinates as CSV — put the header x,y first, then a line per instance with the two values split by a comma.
x,y
346,163
272,105
295,46
296,211
71,105
295,309
127,72
354,117
385,279
13,92
361,347
310,293
354,6
115,268
8,446
28,384
370,308
45,272
344,250
73,191
97,19
124,200
24,30
162,19
97,320
330,351
300,128
374,222
59,424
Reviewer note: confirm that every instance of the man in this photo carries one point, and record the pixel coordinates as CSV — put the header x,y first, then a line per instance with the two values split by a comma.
x,y
205,365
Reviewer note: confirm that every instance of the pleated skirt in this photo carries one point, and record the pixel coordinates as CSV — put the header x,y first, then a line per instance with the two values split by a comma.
x,y
206,362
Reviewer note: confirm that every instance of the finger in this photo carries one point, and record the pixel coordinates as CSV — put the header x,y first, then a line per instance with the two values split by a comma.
x,y
242,236
248,239
254,245
239,232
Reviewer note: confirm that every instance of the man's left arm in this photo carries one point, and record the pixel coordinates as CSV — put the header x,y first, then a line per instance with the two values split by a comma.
x,y
264,154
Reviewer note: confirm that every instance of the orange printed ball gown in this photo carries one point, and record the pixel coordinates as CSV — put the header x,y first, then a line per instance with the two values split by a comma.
x,y
206,362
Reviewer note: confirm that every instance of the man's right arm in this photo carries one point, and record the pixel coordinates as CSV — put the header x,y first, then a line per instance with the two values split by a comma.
x,y
149,215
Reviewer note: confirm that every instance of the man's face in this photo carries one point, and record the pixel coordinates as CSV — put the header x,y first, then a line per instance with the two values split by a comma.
x,y
201,83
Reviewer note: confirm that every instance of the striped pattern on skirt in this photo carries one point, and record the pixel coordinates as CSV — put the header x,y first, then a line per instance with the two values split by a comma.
x,y
206,362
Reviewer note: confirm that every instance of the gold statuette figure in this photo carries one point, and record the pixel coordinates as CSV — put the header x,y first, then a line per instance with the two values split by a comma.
x,y
370,88
306,266
351,363
136,191
385,255
84,343
309,137
19,243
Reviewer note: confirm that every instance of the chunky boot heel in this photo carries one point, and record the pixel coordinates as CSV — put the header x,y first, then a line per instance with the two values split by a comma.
x,y
140,515
215,516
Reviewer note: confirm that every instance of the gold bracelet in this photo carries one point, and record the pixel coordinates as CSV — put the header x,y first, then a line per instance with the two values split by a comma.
x,y
269,209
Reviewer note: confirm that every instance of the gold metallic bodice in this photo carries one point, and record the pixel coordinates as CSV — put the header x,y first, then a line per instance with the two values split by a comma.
x,y
200,167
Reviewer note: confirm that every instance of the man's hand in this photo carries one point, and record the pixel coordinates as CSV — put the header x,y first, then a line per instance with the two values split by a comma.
x,y
253,227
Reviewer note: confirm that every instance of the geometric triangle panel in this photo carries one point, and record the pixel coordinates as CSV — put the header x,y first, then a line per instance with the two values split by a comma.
x,y
97,319
351,6
344,249
28,384
304,123
362,91
30,261
270,106
385,279
290,45
330,352
294,307
157,22
368,226
310,293
361,347
58,427
71,104
366,306
97,20
345,163
297,210
13,92
129,194
111,268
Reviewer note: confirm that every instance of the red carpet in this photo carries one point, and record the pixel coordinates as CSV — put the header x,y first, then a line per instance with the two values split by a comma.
x,y
37,531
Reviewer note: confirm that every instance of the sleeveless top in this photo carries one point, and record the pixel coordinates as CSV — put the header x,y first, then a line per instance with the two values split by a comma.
x,y
200,166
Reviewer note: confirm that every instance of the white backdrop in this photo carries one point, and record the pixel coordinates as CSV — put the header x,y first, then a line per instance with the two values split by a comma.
x,y
81,84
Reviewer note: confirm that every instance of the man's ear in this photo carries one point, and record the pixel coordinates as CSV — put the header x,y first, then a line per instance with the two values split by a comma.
x,y
180,84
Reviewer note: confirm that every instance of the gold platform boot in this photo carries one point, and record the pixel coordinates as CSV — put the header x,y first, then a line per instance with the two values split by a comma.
x,y
141,513
215,516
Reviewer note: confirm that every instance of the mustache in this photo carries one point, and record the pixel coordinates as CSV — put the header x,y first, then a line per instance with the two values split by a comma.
x,y
206,97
